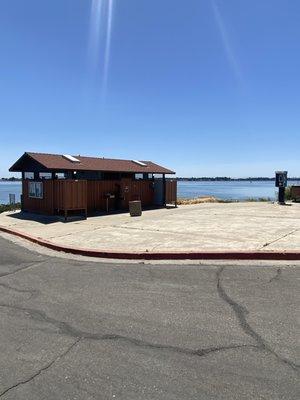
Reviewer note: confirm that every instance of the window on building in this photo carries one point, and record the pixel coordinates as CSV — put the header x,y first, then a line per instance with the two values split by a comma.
x,y
60,175
45,175
138,176
35,190
29,175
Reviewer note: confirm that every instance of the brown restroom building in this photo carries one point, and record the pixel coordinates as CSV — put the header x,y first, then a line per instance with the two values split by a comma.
x,y
58,184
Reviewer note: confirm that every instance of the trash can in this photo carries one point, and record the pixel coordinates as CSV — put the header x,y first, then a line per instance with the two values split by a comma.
x,y
135,208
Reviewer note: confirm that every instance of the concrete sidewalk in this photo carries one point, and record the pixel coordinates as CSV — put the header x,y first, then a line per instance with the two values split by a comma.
x,y
202,227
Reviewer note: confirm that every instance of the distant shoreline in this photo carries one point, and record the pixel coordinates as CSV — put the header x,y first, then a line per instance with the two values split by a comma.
x,y
194,179
225,179
10,180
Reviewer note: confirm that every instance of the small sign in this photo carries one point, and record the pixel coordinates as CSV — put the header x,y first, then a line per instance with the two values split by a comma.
x,y
12,198
281,179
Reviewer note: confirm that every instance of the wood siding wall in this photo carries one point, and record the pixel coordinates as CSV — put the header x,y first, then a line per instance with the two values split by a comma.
x,y
70,195
96,191
171,192
125,189
87,195
42,206
295,193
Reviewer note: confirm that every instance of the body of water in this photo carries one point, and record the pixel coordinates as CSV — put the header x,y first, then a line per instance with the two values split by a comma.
x,y
232,190
237,190
10,187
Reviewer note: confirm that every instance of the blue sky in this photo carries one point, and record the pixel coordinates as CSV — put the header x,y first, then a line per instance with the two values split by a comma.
x,y
205,87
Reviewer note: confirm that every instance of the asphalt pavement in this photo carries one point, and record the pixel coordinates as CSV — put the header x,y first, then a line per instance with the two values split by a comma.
x,y
74,329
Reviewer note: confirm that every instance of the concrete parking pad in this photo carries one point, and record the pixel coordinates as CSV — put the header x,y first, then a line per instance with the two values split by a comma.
x,y
202,227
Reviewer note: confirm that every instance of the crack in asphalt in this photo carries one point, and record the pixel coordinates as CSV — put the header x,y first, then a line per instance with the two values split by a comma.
x,y
66,329
182,350
33,264
33,292
241,312
276,276
45,368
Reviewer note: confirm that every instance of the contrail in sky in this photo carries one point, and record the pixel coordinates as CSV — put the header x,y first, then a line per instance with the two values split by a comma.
x,y
107,43
95,31
226,41
100,38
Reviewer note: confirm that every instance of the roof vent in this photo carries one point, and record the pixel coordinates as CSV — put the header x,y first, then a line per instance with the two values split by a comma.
x,y
71,158
140,163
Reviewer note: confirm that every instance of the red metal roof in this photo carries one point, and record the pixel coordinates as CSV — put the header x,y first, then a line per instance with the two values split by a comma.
x,y
59,162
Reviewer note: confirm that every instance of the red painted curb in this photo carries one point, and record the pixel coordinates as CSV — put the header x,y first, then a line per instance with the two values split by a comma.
x,y
198,255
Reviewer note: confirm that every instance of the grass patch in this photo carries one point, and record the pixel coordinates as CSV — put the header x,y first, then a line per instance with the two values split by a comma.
x,y
288,193
197,200
9,207
259,199
211,199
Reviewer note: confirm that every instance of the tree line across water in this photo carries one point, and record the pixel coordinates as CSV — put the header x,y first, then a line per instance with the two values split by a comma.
x,y
226,179
193,179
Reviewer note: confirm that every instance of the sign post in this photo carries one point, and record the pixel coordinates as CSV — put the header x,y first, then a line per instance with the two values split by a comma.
x,y
281,183
12,198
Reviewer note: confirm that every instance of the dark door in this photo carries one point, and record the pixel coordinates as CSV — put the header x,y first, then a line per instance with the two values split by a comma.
x,y
158,192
